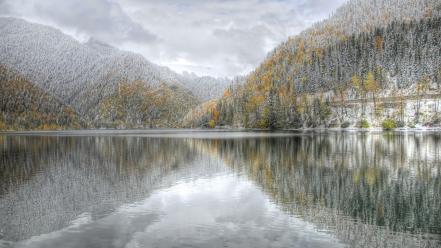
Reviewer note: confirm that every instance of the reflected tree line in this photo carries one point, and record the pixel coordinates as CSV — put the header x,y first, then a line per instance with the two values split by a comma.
x,y
388,183
46,182
371,187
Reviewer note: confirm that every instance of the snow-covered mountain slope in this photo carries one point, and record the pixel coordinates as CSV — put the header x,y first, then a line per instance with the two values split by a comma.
x,y
80,73
25,106
205,87
363,16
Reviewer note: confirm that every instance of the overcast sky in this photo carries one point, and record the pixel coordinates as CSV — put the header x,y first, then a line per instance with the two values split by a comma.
x,y
208,37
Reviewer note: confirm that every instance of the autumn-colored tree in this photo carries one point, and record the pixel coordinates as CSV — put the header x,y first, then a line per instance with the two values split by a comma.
x,y
214,114
23,105
267,81
379,42
356,84
227,93
359,88
212,124
372,86
300,52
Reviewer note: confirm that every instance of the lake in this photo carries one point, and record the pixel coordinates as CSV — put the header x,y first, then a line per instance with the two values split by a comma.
x,y
170,188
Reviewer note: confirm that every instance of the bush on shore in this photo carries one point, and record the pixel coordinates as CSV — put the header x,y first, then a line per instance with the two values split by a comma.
x,y
364,124
389,124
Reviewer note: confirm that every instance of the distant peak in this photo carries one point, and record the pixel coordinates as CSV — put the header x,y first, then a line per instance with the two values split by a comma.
x,y
100,46
95,41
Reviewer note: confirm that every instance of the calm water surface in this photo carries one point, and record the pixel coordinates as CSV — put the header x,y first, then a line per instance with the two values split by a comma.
x,y
220,189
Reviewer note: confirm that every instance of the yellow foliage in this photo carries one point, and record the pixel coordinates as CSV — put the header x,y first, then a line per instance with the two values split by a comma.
x,y
282,90
258,100
319,52
267,81
48,127
300,53
370,84
214,112
263,122
212,124
3,126
371,176
356,82
301,107
422,86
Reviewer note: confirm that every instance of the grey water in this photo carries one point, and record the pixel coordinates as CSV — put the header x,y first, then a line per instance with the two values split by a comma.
x,y
170,188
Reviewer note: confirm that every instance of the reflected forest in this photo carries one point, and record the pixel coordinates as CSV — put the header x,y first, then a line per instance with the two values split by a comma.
x,y
367,190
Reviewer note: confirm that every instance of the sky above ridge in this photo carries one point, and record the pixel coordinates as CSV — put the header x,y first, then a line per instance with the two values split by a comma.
x,y
221,38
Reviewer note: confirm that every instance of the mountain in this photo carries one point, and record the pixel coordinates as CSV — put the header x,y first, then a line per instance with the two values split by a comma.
x,y
372,61
86,75
204,87
363,16
24,105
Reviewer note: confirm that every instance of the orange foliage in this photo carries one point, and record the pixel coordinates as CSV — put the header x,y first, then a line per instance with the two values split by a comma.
x,y
214,112
319,52
282,90
379,42
227,93
300,53
267,81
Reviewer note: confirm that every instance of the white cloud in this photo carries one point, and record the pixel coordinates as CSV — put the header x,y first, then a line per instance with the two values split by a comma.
x,y
215,37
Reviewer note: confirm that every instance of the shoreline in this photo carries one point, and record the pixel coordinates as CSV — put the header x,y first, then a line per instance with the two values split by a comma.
x,y
220,130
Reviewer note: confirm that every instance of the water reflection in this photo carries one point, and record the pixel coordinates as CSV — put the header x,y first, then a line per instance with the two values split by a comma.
x,y
310,189
47,182
386,183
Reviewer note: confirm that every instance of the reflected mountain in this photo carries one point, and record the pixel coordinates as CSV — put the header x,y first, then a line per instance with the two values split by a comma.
x,y
46,182
365,189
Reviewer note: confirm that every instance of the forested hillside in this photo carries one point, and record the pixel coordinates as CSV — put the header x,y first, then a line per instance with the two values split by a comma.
x,y
363,16
106,86
25,106
135,104
86,75
368,51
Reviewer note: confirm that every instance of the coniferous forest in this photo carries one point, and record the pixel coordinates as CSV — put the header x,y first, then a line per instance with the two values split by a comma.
x,y
307,87
373,63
